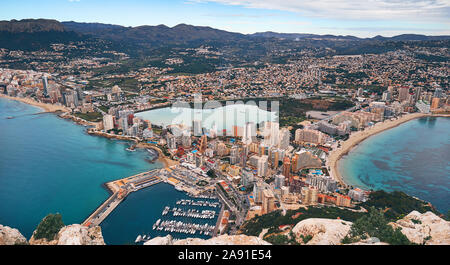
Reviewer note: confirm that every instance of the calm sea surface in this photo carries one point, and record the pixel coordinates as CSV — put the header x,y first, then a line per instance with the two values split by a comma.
x,y
49,165
413,157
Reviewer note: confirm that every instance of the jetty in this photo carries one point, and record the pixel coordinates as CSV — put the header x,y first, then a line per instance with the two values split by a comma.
x,y
120,189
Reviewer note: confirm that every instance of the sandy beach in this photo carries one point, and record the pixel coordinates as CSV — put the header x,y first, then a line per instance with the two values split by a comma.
x,y
357,137
44,106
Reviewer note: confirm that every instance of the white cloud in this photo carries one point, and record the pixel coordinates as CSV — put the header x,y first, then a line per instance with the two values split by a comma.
x,y
414,10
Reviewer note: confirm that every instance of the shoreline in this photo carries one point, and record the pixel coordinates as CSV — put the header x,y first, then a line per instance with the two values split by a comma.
x,y
50,108
358,137
44,106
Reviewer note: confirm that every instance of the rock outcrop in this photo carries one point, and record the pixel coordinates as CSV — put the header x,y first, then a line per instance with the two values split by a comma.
x,y
74,235
220,240
370,241
426,228
321,231
11,236
166,240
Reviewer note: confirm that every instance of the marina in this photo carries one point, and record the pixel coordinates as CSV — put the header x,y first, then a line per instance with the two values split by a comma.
x,y
174,226
191,213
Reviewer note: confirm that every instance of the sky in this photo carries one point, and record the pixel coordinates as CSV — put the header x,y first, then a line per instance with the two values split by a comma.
x,y
362,18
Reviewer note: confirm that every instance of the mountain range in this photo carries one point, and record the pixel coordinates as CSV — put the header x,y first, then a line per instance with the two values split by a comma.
x,y
40,33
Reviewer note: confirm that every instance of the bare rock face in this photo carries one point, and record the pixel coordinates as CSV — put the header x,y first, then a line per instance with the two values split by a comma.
x,y
323,231
80,235
73,235
167,240
427,228
11,236
370,241
220,240
224,240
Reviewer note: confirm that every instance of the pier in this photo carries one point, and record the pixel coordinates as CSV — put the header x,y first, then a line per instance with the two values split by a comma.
x,y
120,190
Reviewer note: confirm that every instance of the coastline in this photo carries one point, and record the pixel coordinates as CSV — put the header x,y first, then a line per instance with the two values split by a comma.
x,y
50,108
44,106
360,136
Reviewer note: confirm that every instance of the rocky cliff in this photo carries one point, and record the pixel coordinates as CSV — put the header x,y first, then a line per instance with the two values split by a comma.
x,y
11,236
321,231
74,235
220,240
426,228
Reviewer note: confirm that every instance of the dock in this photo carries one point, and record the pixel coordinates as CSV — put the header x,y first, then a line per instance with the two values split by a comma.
x,y
120,189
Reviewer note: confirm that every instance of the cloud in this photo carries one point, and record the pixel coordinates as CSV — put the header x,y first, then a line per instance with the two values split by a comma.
x,y
414,10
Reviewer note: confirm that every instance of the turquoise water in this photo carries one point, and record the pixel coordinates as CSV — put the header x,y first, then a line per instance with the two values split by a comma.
x,y
413,157
48,165
223,117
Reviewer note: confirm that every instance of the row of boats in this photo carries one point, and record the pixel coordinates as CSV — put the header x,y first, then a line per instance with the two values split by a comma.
x,y
194,213
191,213
198,203
182,227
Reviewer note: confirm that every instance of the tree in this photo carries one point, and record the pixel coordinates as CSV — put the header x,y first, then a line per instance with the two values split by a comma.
x,y
376,225
49,227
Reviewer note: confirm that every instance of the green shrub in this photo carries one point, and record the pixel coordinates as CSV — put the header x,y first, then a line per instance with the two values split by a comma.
x,y
49,227
376,225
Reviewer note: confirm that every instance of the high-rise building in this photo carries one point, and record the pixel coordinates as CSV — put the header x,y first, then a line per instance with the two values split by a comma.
x,y
285,137
258,189
263,166
403,93
279,181
234,155
287,167
171,141
435,103
249,133
247,177
271,133
343,200
197,127
386,96
268,203
186,138
108,122
417,94
45,85
203,143
310,136
309,195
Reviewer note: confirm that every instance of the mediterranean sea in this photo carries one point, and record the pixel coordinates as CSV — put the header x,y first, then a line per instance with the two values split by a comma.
x,y
413,157
50,165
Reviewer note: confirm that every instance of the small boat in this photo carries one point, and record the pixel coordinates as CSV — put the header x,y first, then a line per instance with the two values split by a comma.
x,y
10,117
130,150
138,239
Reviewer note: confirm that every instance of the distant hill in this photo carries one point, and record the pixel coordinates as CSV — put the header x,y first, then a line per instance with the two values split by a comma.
x,y
31,26
181,33
34,34
299,36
